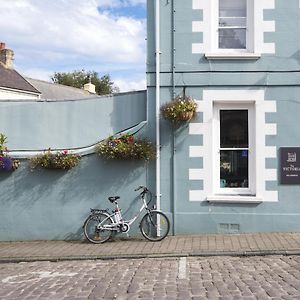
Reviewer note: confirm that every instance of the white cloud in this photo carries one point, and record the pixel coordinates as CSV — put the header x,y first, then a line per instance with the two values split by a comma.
x,y
130,85
38,74
120,3
64,35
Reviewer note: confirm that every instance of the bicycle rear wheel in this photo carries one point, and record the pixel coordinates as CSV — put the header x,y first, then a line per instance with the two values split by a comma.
x,y
91,231
155,226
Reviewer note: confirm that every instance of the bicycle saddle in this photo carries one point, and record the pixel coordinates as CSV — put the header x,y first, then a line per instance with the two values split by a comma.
x,y
113,199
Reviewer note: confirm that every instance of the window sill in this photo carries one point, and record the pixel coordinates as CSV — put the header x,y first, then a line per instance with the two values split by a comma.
x,y
234,199
232,55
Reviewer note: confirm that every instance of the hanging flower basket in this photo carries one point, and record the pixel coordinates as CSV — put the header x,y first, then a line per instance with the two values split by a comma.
x,y
62,160
126,147
186,115
180,109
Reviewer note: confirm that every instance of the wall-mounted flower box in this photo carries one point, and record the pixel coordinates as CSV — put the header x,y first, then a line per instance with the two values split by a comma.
x,y
126,147
6,162
62,160
180,109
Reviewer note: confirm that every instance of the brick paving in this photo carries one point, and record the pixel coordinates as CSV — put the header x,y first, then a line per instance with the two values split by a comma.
x,y
172,246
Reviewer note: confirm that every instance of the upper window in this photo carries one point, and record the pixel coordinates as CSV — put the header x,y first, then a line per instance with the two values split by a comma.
x,y
232,24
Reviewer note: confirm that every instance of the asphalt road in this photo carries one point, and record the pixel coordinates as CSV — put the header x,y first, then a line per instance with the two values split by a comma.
x,y
256,277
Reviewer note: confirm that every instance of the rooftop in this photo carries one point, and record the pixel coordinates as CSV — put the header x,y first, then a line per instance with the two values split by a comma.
x,y
54,91
11,79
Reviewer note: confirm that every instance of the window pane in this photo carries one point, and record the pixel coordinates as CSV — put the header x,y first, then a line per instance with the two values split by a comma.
x,y
232,38
234,128
236,22
232,8
234,169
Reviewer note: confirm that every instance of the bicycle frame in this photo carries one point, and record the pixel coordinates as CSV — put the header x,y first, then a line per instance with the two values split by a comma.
x,y
115,224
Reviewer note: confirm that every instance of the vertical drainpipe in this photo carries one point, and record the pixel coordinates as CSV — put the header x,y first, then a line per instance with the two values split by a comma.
x,y
157,99
173,11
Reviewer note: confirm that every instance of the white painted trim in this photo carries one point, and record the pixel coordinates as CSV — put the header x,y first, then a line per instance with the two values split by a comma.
x,y
197,48
196,128
197,195
196,174
197,26
199,102
197,4
270,174
256,25
270,151
207,174
270,129
232,55
234,199
269,196
205,6
196,151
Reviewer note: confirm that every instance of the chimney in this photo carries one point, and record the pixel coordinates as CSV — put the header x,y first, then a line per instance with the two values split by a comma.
x,y
6,56
89,87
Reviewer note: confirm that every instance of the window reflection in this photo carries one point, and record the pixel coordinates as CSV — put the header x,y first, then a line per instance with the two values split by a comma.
x,y
234,149
232,24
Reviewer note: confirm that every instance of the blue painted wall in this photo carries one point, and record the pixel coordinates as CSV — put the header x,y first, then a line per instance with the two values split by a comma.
x,y
276,74
52,204
38,125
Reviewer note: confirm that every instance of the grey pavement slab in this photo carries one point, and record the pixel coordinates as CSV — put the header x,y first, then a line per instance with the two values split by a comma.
x,y
171,246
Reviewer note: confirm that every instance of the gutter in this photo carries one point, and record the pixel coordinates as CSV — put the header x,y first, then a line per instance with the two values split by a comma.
x,y
157,98
174,169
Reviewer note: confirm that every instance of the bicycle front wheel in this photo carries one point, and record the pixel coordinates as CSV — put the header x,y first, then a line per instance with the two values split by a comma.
x,y
92,231
155,226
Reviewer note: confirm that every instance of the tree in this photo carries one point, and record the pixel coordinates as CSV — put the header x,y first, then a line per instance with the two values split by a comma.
x,y
104,85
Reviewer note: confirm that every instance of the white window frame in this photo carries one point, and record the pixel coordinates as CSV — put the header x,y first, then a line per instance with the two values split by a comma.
x,y
250,107
231,27
216,52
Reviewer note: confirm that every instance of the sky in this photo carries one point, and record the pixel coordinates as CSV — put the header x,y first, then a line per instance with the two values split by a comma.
x,y
106,36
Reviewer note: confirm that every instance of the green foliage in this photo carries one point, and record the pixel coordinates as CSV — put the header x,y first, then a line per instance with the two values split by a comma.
x,y
3,141
126,147
78,78
59,160
179,109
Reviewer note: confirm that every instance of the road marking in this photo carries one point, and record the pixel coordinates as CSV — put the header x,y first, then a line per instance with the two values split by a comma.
x,y
34,276
182,268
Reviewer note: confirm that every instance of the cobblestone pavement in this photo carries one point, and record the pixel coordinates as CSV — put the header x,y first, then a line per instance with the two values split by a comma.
x,y
264,277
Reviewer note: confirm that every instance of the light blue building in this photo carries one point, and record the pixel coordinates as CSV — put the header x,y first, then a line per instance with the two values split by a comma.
x,y
240,60
234,168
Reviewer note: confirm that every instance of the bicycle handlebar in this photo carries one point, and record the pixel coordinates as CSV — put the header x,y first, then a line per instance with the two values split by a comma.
x,y
144,192
141,187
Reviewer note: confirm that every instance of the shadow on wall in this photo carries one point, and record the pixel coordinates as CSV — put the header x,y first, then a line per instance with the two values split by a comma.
x,y
129,109
53,204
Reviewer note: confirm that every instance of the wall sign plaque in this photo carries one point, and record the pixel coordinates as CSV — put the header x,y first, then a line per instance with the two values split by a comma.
x,y
290,165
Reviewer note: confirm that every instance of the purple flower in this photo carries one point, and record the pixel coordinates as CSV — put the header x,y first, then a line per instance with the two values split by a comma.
x,y
6,163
